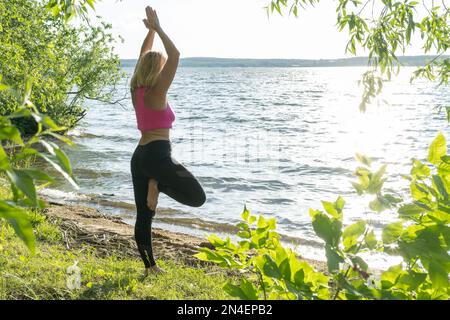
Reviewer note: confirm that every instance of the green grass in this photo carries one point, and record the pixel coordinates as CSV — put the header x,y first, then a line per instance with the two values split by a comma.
x,y
44,274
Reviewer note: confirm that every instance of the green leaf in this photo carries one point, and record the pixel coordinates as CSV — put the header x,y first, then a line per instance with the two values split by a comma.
x,y
49,123
11,133
63,160
328,229
223,259
4,159
334,209
358,187
27,203
208,255
246,214
285,269
215,240
299,277
371,240
377,205
27,93
390,200
364,159
352,233
60,137
20,113
259,239
440,216
91,3
249,290
243,226
339,204
419,170
329,208
383,202
412,279
38,175
24,182
392,232
438,274
360,263
440,186
333,259
26,153
419,191
376,181
244,234
438,149
18,219
446,159
262,224
389,277
270,268
246,290
410,210
54,161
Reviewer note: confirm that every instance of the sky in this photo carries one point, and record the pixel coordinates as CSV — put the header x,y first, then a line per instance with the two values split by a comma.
x,y
229,29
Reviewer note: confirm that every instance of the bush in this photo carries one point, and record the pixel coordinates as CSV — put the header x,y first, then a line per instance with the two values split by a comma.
x,y
421,236
25,181
66,64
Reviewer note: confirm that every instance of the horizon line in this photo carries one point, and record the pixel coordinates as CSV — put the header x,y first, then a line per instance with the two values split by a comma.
x,y
344,58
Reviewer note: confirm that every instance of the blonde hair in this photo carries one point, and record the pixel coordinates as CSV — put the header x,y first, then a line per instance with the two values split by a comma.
x,y
147,70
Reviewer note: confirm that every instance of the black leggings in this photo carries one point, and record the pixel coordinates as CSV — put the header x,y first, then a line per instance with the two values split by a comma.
x,y
154,161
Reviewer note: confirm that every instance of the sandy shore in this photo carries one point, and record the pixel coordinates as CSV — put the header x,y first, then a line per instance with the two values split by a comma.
x,y
86,225
83,224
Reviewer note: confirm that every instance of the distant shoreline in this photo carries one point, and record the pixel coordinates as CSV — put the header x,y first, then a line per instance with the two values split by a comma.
x,y
211,62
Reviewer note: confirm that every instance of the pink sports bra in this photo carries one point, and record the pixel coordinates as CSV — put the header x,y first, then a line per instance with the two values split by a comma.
x,y
150,119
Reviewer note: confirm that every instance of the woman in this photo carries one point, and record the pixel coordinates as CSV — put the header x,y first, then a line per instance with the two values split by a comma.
x,y
153,169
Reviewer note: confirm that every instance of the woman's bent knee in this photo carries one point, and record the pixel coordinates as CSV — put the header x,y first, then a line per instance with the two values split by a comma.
x,y
200,199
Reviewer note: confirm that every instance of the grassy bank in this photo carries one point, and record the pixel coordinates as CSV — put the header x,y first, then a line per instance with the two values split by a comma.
x,y
103,275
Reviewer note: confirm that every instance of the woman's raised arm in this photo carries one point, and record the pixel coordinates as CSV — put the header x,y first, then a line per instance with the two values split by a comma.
x,y
147,45
173,55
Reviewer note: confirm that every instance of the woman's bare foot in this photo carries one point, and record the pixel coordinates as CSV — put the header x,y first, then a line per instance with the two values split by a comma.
x,y
156,270
153,194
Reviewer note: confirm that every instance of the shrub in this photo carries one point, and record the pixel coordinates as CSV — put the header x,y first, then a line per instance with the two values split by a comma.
x,y
65,63
420,236
25,181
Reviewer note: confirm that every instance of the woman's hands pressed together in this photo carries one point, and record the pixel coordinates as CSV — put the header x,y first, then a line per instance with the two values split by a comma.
x,y
173,55
152,21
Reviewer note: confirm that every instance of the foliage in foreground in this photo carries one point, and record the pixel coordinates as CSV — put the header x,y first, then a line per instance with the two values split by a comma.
x,y
39,46
45,275
23,181
420,236
385,29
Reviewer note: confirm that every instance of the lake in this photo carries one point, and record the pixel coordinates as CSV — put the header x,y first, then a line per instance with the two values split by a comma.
x,y
278,140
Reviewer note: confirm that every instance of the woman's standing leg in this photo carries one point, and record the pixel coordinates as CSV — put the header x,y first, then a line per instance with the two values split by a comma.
x,y
144,217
